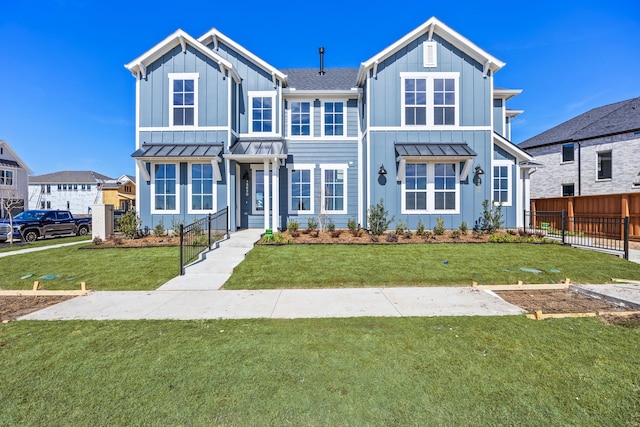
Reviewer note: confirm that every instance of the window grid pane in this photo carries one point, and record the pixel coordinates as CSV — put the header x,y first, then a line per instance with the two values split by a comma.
x,y
444,96
501,184
165,187
415,101
334,189
301,118
445,186
333,118
183,102
416,186
201,186
301,190
262,114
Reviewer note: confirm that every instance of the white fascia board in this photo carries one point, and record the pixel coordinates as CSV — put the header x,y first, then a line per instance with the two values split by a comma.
x,y
253,157
17,158
179,37
291,93
434,25
513,113
511,148
216,36
505,94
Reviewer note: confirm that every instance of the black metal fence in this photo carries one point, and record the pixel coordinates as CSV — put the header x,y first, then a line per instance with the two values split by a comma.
x,y
198,236
604,233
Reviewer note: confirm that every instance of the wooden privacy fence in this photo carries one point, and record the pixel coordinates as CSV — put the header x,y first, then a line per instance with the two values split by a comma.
x,y
601,206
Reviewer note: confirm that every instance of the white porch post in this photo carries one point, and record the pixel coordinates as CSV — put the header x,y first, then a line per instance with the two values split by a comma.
x,y
267,208
276,195
519,195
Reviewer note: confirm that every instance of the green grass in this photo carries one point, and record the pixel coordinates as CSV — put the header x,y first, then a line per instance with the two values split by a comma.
x,y
45,242
326,266
469,371
101,269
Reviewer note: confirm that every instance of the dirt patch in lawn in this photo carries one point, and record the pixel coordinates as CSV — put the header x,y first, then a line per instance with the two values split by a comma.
x,y
557,301
12,307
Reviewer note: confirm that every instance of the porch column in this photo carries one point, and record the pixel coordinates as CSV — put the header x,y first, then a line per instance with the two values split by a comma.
x,y
267,208
276,195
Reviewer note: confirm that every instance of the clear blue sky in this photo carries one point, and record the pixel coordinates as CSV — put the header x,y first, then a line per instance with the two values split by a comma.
x,y
67,102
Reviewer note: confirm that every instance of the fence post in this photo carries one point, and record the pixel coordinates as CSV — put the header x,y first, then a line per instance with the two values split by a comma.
x,y
626,237
181,249
563,218
209,231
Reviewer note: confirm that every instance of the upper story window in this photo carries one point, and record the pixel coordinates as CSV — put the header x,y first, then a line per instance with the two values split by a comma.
x,y
567,153
604,165
334,118
6,177
430,99
262,111
183,99
300,118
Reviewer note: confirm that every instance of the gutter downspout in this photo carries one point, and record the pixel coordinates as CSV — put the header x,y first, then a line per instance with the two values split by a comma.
x,y
579,169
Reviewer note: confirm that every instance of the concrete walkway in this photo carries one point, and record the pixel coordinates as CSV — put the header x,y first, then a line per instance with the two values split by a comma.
x,y
197,295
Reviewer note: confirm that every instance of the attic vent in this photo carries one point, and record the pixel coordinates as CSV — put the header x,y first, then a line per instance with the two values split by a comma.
x,y
430,54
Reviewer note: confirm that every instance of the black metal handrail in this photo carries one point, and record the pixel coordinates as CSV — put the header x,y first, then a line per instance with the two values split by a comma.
x,y
600,232
199,235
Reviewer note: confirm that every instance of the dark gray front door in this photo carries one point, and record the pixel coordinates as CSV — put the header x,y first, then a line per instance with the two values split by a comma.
x,y
245,195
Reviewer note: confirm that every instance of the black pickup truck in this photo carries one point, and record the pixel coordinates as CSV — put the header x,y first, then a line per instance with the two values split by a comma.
x,y
33,224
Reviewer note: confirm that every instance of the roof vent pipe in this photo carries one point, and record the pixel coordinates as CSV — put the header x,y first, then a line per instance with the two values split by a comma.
x,y
321,52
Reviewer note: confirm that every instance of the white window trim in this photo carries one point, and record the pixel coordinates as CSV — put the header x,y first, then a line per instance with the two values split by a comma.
x,y
509,164
254,181
344,168
344,118
262,94
14,173
184,76
293,167
431,190
214,191
311,114
153,190
430,77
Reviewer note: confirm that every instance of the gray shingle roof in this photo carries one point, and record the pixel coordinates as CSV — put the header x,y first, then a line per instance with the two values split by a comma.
x,y
69,177
310,79
606,120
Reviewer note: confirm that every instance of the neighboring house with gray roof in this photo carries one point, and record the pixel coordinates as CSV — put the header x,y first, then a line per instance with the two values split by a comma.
x,y
419,125
597,152
76,191
13,181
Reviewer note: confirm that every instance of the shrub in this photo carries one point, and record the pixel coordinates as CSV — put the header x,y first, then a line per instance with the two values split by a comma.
x,y
391,238
420,229
439,229
331,226
455,234
336,233
97,240
463,228
293,226
491,219
128,224
407,234
401,227
354,228
477,233
159,229
312,223
378,222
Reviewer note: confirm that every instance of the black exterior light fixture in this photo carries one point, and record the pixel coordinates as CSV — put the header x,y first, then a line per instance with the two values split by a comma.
x,y
477,173
382,171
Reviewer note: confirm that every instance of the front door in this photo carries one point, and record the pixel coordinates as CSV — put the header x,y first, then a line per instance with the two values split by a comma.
x,y
245,195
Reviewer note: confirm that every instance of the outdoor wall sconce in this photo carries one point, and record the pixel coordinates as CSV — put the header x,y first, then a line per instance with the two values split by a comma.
x,y
382,170
477,174
245,178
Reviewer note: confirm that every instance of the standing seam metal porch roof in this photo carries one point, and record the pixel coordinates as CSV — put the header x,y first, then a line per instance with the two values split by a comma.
x,y
258,148
178,150
434,150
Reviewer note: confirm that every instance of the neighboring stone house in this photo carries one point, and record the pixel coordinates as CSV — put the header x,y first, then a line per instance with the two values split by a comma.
x,y
597,152
121,193
420,125
13,181
76,191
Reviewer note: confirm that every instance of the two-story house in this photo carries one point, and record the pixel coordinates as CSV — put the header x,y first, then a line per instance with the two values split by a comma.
x,y
13,181
419,125
75,191
121,192
594,153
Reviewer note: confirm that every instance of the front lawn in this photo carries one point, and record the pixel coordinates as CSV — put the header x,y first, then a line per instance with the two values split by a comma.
x,y
334,266
471,371
132,269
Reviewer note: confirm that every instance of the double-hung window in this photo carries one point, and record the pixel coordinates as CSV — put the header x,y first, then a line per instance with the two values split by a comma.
x,y
262,111
165,188
430,188
6,177
567,153
301,188
183,99
202,189
334,188
430,99
300,118
334,118
502,182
